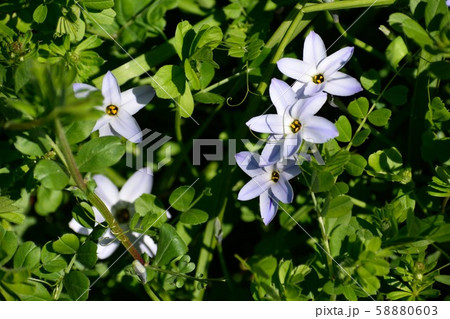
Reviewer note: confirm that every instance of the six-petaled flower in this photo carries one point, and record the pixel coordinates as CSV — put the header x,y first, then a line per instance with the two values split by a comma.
x,y
121,205
119,107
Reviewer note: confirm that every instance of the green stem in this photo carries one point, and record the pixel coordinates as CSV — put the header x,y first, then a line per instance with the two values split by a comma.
x,y
178,274
348,4
361,204
150,292
225,81
93,198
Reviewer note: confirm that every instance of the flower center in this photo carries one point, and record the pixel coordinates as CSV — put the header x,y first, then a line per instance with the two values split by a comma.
x,y
112,110
318,78
275,176
123,216
295,126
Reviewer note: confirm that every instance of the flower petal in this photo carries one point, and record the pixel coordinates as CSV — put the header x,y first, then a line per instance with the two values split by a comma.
x,y
145,243
341,84
314,49
335,62
308,106
110,90
82,90
139,183
249,163
290,170
104,120
312,88
98,217
106,190
272,151
105,251
296,69
106,130
136,98
268,123
291,144
282,190
282,95
268,208
126,126
255,187
76,227
319,130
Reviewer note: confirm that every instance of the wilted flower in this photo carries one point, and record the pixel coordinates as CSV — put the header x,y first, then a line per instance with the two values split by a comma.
x,y
292,124
317,72
119,107
121,205
270,183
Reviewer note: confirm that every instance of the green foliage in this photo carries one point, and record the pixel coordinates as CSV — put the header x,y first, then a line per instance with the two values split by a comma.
x,y
100,153
170,246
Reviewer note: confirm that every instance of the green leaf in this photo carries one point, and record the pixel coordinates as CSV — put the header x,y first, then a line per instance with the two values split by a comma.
x,y
211,37
99,153
48,200
380,117
182,39
98,4
87,254
51,174
194,217
397,95
359,107
360,137
186,103
151,209
191,75
51,261
442,234
182,197
339,206
411,28
396,295
170,246
371,81
68,244
208,98
32,143
84,215
40,13
77,131
344,128
169,82
322,182
396,51
8,245
356,165
27,256
10,212
444,279
77,285
433,10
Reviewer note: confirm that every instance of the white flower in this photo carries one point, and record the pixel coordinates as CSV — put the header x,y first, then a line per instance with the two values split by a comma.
x,y
120,204
270,183
296,121
118,107
317,72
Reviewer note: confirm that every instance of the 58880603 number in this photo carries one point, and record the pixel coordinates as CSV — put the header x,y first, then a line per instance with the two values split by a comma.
x,y
406,310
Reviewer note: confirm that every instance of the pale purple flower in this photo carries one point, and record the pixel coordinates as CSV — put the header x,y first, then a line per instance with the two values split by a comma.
x,y
119,107
294,122
319,72
270,183
121,205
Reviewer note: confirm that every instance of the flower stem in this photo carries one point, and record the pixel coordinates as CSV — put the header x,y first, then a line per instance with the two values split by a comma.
x,y
150,292
93,198
348,4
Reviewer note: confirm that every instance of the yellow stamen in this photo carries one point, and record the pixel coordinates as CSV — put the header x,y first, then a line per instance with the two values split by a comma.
x,y
318,78
275,176
112,110
295,126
